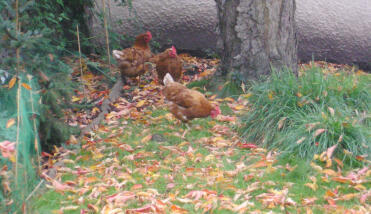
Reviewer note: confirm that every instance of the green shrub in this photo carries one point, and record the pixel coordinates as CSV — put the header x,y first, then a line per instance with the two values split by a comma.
x,y
305,115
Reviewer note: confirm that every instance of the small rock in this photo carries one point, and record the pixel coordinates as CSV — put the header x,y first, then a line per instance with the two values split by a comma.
x,y
158,138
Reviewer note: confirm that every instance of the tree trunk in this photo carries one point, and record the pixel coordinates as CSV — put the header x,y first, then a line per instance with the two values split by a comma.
x,y
256,35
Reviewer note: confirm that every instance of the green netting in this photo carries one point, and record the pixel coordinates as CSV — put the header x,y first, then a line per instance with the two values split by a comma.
x,y
18,169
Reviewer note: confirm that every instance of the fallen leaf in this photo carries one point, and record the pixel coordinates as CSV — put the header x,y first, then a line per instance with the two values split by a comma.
x,y
170,186
247,146
318,132
10,123
146,139
12,82
136,186
26,86
141,103
332,111
313,186
176,209
93,207
330,151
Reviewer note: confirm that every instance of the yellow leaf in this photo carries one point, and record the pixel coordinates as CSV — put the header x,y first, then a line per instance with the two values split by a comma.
x,y
12,158
229,99
316,167
360,187
270,95
74,98
26,86
247,95
12,82
299,94
239,107
10,123
328,163
312,186
140,103
347,152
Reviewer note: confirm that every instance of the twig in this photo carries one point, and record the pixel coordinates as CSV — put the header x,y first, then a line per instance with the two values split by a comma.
x,y
106,31
18,97
34,190
36,142
81,72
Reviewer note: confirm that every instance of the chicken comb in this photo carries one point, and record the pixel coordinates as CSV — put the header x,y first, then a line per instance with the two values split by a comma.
x,y
149,34
173,50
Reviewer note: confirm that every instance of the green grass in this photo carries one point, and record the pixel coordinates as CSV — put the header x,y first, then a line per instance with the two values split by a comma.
x,y
287,109
193,171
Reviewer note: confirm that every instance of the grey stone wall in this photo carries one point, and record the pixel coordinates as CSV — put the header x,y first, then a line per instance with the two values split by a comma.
x,y
332,30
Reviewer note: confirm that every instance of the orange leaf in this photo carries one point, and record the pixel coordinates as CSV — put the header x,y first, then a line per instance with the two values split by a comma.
x,y
10,123
176,209
93,207
259,164
339,162
330,193
26,86
136,186
12,82
340,179
329,172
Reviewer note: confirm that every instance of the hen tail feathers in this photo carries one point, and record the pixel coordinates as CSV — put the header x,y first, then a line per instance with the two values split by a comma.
x,y
168,79
117,54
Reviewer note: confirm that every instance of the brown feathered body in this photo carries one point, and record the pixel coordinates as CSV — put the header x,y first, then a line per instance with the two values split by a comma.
x,y
186,104
169,62
131,61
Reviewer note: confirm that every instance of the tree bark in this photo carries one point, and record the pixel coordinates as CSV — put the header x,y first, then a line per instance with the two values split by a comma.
x,y
256,35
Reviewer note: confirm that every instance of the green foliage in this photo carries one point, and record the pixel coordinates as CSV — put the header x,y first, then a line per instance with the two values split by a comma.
x,y
306,115
45,30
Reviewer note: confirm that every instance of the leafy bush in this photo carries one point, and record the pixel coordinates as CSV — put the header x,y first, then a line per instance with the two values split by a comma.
x,y
305,115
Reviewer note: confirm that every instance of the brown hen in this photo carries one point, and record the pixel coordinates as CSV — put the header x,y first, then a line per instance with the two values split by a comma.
x,y
132,60
168,62
187,104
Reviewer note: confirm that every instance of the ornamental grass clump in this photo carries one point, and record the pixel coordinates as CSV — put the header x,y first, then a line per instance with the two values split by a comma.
x,y
308,114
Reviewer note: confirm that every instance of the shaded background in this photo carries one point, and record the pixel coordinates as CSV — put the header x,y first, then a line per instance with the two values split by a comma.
x,y
332,30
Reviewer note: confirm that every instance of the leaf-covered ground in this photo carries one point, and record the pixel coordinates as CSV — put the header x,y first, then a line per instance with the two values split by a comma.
x,y
141,160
